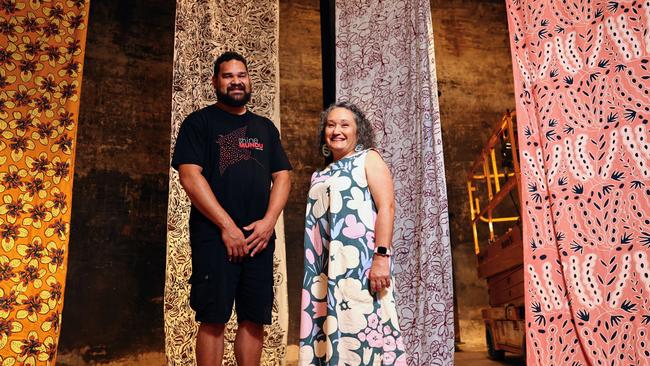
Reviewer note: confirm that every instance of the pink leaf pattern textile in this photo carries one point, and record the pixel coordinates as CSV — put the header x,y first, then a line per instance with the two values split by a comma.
x,y
385,64
583,104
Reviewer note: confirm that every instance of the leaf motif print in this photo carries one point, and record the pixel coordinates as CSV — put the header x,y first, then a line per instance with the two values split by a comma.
x,y
586,264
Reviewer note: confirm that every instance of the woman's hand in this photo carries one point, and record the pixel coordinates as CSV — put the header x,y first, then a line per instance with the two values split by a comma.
x,y
379,274
380,184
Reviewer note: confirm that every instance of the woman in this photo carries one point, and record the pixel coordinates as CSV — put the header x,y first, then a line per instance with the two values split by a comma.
x,y
348,312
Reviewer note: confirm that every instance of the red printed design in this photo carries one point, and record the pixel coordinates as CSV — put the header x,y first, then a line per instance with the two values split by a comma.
x,y
250,143
236,147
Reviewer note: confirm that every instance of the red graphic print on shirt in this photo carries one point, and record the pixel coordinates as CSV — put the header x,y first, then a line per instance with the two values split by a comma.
x,y
236,147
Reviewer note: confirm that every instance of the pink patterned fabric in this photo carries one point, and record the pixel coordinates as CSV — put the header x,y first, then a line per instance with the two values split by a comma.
x,y
385,64
583,104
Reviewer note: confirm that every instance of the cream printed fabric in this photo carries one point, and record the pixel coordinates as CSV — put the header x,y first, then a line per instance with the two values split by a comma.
x,y
385,63
205,29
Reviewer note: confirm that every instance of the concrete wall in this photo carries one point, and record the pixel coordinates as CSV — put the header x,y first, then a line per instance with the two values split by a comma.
x,y
113,311
301,101
475,86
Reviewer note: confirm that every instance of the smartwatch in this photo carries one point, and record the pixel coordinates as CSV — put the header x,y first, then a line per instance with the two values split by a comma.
x,y
382,251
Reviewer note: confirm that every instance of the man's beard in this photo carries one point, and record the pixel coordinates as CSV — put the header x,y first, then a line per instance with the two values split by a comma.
x,y
226,99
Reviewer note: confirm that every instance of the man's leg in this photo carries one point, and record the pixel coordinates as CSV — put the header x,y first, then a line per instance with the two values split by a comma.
x,y
254,303
209,344
248,343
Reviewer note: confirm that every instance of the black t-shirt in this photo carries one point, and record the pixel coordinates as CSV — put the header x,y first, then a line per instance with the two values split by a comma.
x,y
238,154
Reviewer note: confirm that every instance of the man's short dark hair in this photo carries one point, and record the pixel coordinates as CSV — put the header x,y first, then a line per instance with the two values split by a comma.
x,y
228,56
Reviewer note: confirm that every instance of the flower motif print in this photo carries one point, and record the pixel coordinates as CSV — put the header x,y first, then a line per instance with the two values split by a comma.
x,y
341,258
342,323
363,206
41,56
327,195
352,305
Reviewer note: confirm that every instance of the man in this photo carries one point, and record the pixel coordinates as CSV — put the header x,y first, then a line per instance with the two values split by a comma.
x,y
227,158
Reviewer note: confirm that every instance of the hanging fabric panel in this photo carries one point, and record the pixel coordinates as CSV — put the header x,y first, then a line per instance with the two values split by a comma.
x,y
385,64
41,60
583,105
204,30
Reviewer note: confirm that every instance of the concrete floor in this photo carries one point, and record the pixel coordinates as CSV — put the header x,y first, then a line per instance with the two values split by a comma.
x,y
472,357
479,358
466,356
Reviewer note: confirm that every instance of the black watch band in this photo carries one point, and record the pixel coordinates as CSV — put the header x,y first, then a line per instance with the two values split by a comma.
x,y
382,251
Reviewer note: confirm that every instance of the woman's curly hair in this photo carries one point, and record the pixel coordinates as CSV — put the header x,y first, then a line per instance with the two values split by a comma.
x,y
365,137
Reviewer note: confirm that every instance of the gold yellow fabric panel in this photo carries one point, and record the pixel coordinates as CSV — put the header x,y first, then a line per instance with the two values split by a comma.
x,y
205,29
41,57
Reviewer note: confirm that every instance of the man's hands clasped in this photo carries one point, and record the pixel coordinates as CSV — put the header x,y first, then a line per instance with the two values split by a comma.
x,y
259,238
238,246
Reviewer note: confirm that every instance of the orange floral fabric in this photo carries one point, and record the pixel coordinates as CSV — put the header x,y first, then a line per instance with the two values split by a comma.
x,y
41,55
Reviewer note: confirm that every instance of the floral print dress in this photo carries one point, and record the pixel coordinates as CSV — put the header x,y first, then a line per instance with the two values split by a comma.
x,y
342,321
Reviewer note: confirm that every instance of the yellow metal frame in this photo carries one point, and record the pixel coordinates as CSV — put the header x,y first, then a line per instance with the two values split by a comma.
x,y
485,171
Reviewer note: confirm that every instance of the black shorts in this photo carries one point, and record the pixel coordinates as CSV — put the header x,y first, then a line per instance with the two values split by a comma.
x,y
217,283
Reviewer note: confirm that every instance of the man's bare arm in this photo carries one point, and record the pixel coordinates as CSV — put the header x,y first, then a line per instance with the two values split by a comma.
x,y
200,193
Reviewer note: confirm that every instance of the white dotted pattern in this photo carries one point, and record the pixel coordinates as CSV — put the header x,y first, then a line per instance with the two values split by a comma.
x,y
587,335
566,111
550,286
642,140
588,268
523,70
540,165
548,224
636,150
590,236
559,50
622,281
642,344
637,207
617,38
642,269
581,156
539,288
629,36
535,168
576,282
555,162
581,151
571,98
570,45
597,45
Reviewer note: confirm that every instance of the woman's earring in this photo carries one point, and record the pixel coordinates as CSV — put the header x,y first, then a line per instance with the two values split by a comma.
x,y
325,151
358,148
